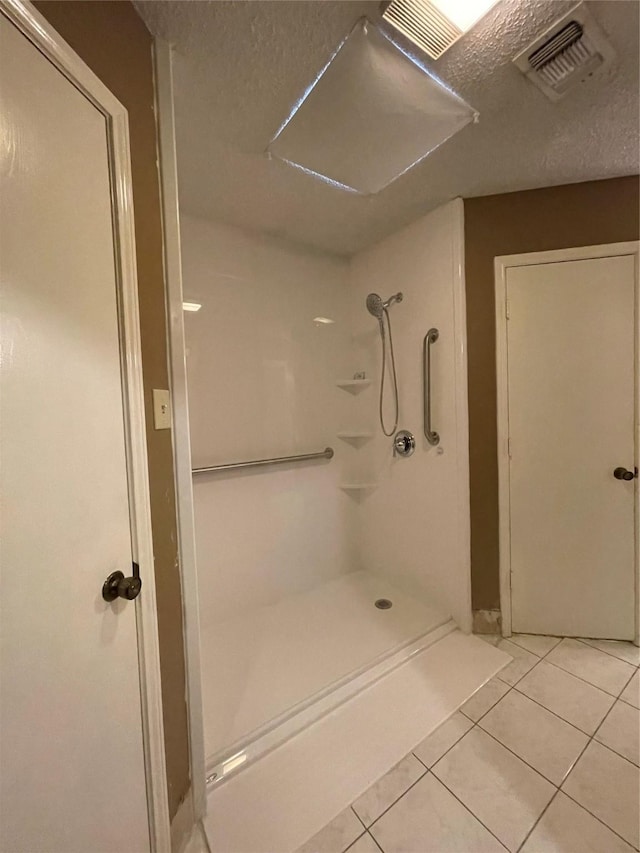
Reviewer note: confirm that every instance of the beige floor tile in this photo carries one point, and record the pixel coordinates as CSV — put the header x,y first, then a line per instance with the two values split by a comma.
x,y
485,698
608,786
592,665
522,662
621,731
536,643
386,790
631,692
365,844
625,651
504,793
336,836
581,704
543,740
566,827
434,747
429,819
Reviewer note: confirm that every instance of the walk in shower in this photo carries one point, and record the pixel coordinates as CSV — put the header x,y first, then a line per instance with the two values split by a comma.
x,y
331,529
306,519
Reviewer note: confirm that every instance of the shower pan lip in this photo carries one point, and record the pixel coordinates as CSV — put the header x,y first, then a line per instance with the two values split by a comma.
x,y
261,740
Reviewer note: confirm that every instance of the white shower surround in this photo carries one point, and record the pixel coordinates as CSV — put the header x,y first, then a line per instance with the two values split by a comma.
x,y
259,299
415,526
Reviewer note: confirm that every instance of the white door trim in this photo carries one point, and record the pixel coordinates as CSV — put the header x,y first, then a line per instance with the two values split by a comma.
x,y
462,411
38,30
163,57
502,264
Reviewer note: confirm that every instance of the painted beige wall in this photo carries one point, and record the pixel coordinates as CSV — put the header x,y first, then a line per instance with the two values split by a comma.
x,y
114,42
534,221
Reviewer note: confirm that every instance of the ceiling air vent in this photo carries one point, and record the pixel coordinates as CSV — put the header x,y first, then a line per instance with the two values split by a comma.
x,y
424,24
566,54
434,25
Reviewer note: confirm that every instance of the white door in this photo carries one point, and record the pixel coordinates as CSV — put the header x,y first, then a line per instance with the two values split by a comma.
x,y
571,395
73,776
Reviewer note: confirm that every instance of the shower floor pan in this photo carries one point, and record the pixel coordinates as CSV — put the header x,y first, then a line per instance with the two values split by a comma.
x,y
269,674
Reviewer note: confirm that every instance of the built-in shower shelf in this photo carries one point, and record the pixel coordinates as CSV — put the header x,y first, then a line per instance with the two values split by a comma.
x,y
353,386
358,488
356,438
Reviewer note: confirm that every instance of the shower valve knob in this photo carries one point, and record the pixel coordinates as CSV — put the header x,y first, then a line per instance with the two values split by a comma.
x,y
404,443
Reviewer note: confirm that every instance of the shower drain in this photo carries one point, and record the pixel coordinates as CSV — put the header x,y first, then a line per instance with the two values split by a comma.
x,y
383,604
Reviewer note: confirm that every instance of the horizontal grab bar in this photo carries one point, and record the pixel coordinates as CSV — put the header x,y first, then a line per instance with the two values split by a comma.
x,y
327,453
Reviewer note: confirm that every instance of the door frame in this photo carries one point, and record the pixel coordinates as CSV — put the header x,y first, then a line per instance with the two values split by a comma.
x,y
180,432
45,38
501,265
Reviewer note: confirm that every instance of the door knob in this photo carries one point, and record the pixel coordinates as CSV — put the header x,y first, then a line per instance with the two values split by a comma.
x,y
623,474
117,586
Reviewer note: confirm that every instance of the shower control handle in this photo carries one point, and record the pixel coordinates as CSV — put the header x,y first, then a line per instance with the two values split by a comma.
x,y
118,586
404,443
623,474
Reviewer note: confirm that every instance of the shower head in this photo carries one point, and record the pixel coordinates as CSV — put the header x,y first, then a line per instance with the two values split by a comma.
x,y
376,306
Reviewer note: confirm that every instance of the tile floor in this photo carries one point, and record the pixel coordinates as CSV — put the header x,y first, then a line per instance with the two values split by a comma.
x,y
543,759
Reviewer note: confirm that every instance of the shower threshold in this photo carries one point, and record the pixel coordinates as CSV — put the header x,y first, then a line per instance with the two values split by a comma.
x,y
268,677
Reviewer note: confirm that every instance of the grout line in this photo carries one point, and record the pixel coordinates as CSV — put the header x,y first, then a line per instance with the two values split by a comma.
x,y
599,819
615,752
524,761
557,787
422,775
355,841
568,722
464,805
541,815
358,816
625,686
590,683
585,642
375,841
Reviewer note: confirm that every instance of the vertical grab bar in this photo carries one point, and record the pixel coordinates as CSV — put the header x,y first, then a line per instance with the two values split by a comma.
x,y
430,338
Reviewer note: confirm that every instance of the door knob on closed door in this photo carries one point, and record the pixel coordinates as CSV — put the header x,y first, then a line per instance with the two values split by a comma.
x,y
117,586
623,474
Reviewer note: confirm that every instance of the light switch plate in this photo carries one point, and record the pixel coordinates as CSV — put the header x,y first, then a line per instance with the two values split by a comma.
x,y
161,409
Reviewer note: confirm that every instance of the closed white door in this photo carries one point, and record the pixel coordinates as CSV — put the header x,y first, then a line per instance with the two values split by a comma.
x,y
73,776
571,359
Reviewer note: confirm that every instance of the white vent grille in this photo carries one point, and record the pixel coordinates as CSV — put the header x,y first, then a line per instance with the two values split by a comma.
x,y
423,24
566,54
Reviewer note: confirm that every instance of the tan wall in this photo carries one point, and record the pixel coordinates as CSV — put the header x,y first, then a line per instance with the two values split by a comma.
x,y
533,221
114,42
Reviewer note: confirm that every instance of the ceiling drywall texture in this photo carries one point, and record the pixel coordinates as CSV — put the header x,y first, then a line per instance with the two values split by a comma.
x,y
240,66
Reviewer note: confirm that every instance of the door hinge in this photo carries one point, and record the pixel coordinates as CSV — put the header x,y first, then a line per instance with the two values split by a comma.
x,y
509,448
506,309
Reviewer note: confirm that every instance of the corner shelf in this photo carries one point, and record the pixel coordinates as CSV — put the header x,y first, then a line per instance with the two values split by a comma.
x,y
353,386
357,439
358,488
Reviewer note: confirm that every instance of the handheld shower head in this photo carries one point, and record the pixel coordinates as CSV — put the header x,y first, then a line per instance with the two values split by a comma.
x,y
376,306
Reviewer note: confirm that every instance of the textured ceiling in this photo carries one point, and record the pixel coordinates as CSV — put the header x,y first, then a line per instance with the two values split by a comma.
x,y
240,66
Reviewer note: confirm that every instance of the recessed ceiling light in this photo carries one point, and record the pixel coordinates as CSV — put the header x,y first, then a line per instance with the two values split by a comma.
x,y
323,321
191,306
434,25
370,116
464,13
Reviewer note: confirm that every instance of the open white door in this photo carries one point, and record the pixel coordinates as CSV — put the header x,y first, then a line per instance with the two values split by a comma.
x,y
569,395
81,725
